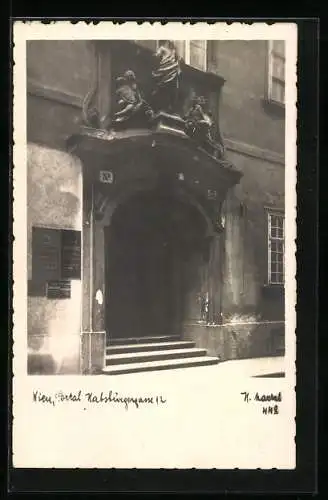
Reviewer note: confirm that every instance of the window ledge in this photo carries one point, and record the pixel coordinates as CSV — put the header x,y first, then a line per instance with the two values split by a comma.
x,y
274,107
214,80
273,291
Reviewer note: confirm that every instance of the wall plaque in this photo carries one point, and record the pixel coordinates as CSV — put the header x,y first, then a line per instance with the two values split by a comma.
x,y
45,254
71,254
59,289
56,255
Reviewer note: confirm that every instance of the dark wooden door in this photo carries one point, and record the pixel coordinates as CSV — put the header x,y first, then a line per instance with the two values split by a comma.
x,y
148,247
139,280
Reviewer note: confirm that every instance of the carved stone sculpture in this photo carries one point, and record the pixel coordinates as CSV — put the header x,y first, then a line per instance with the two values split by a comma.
x,y
200,126
132,108
199,123
166,77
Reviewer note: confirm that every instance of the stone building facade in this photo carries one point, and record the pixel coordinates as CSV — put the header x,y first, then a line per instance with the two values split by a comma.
x,y
146,222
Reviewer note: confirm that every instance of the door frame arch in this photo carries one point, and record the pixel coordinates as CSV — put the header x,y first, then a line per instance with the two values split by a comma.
x,y
102,221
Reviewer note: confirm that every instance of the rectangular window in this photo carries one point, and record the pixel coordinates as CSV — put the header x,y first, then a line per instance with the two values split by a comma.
x,y
276,248
276,71
194,52
198,54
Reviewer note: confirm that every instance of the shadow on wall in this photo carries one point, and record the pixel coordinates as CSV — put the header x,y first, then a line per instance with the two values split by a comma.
x,y
54,200
40,364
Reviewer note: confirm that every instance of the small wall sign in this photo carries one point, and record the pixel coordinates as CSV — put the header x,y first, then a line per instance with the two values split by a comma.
x,y
59,289
211,194
106,177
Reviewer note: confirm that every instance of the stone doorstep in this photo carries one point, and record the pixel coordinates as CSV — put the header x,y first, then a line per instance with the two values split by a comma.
x,y
168,364
142,347
154,355
163,355
143,340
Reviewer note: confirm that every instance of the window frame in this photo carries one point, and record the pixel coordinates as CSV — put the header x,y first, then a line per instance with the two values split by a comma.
x,y
186,56
275,213
271,77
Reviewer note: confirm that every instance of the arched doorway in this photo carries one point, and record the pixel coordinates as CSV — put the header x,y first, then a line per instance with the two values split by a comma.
x,y
154,251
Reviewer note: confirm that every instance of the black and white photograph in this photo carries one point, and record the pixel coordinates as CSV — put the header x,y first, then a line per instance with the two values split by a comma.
x,y
154,223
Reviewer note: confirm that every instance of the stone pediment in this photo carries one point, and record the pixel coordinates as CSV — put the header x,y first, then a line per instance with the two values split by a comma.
x,y
165,137
162,156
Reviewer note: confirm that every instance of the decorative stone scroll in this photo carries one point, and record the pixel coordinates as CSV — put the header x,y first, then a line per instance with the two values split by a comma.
x,y
90,114
214,209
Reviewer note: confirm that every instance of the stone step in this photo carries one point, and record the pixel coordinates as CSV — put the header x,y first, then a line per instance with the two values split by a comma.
x,y
167,364
145,356
158,346
143,340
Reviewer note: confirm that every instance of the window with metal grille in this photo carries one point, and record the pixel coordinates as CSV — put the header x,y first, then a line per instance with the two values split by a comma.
x,y
276,247
276,71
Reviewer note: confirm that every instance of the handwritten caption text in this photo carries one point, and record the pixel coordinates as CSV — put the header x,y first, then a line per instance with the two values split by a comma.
x,y
109,397
269,402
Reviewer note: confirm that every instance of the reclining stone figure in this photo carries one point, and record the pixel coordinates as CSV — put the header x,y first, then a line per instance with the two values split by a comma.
x,y
132,107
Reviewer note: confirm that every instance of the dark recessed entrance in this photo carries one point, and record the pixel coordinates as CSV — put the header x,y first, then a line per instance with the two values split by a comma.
x,y
149,245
